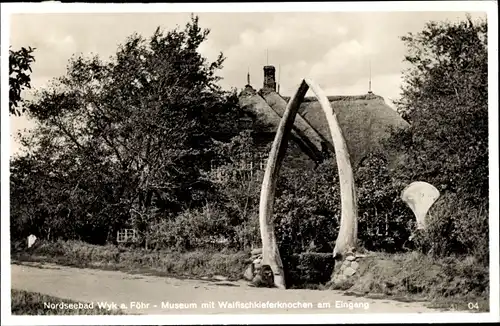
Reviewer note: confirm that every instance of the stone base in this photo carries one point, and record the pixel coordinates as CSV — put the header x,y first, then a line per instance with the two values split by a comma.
x,y
307,266
346,271
253,271
255,263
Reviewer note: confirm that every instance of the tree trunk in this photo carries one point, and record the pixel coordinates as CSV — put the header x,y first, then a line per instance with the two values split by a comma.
x,y
346,240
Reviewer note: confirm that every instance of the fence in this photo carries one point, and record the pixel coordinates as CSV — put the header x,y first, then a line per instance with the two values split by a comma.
x,y
126,235
243,170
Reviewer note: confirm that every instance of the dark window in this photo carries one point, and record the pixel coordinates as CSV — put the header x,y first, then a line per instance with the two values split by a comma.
x,y
246,123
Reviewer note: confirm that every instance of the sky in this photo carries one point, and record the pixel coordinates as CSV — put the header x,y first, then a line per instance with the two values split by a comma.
x,y
334,49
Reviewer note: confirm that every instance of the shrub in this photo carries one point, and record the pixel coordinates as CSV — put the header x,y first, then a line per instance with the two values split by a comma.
x,y
306,211
315,267
385,221
196,228
445,99
247,234
457,227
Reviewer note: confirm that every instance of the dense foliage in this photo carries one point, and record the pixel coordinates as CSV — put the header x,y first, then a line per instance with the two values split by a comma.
x,y
123,141
445,97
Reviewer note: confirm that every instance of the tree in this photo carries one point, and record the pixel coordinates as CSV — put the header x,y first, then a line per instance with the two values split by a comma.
x,y
19,64
445,98
133,134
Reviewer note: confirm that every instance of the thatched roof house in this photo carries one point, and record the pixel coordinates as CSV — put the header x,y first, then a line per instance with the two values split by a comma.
x,y
365,119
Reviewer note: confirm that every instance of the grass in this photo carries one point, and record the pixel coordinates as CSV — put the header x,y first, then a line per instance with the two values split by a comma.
x,y
32,303
459,283
192,264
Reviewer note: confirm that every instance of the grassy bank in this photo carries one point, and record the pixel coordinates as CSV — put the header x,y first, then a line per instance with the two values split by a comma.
x,y
32,303
459,283
193,264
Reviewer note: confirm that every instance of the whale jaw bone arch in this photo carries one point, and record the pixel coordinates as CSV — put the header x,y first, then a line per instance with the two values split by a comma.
x,y
347,237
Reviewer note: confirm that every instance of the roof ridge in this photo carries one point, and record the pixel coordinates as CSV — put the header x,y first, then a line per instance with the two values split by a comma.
x,y
334,98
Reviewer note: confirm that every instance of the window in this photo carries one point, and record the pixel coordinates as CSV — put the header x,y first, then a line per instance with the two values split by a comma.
x,y
246,123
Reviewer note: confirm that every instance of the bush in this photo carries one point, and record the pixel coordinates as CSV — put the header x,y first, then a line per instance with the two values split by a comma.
x,y
385,221
457,227
306,211
302,230
247,234
308,268
193,228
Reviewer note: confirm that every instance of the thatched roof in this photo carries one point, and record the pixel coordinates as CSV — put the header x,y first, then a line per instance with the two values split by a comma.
x,y
365,119
301,127
268,120
254,104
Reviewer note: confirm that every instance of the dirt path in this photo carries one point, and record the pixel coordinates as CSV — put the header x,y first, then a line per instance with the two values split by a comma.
x,y
159,295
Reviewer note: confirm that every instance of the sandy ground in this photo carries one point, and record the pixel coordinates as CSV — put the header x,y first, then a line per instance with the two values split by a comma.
x,y
140,294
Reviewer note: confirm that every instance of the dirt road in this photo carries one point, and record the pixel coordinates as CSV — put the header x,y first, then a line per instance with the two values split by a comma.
x,y
139,294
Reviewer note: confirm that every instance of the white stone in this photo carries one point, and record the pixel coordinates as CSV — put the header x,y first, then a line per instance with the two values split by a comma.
x,y
349,271
220,278
350,258
31,240
341,278
354,265
248,275
256,251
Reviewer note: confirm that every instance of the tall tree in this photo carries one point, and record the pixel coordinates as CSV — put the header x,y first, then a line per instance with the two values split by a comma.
x,y
134,132
445,98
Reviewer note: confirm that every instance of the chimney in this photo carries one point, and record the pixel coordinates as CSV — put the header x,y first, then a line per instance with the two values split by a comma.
x,y
248,77
269,78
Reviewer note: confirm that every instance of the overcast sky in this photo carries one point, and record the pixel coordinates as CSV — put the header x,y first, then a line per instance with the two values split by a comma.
x,y
334,49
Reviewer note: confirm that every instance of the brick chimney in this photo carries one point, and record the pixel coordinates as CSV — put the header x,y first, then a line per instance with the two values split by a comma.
x,y
269,78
